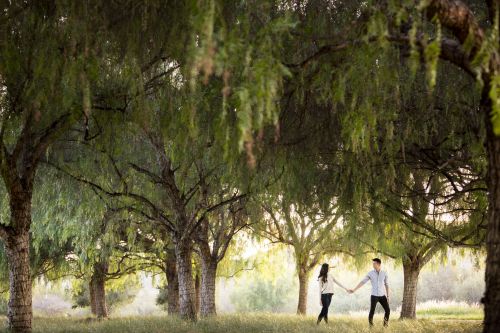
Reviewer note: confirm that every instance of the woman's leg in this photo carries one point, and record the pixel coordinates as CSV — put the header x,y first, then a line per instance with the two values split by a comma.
x,y
328,302
324,309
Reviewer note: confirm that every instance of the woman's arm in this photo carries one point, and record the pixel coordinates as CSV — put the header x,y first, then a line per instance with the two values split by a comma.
x,y
320,289
339,284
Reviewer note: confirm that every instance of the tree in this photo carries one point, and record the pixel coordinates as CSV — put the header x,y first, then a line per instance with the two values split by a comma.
x,y
75,232
213,240
160,254
398,229
336,43
34,113
484,57
307,229
147,183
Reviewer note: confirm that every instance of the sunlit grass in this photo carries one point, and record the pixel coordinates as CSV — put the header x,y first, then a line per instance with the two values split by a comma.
x,y
249,323
449,309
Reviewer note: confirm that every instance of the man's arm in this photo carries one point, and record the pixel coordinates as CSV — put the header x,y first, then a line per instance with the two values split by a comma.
x,y
360,284
386,283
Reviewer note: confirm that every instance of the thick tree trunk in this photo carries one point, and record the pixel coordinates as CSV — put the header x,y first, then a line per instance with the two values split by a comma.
x,y
303,287
98,284
18,258
16,240
183,254
491,298
411,271
172,284
208,277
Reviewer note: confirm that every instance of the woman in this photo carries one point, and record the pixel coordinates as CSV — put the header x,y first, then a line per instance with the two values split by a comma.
x,y
326,281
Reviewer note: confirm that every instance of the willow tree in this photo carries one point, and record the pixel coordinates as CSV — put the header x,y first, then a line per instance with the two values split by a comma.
x,y
169,184
72,219
334,45
425,185
434,31
330,47
474,47
419,220
213,240
52,56
376,42
308,230
163,151
45,74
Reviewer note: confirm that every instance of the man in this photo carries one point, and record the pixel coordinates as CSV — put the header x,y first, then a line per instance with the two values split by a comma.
x,y
380,290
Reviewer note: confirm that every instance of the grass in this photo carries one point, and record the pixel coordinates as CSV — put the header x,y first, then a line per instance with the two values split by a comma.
x,y
249,323
449,310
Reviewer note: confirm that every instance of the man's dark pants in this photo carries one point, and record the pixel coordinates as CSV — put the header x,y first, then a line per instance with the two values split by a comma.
x,y
385,304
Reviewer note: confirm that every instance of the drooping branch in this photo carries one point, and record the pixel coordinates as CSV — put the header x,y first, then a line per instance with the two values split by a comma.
x,y
158,213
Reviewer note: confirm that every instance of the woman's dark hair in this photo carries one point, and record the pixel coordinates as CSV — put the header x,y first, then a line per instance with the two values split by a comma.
x,y
323,273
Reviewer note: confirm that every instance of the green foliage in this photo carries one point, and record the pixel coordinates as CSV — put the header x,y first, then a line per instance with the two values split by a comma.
x,y
495,98
247,59
162,297
311,104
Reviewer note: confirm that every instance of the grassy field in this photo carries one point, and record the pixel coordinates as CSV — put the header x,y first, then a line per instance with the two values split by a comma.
x,y
449,310
249,323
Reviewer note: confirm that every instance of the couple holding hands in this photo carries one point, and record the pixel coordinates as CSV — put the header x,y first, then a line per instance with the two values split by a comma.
x,y
380,290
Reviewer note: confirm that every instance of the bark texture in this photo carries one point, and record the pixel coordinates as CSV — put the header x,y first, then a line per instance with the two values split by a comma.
x,y
16,240
207,292
197,293
491,297
303,288
92,297
183,256
18,257
172,284
411,271
98,289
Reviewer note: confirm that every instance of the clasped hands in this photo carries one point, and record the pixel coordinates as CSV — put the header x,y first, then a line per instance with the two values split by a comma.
x,y
351,291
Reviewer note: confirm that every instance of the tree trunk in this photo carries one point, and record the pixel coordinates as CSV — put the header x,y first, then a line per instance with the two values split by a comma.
x,y
197,293
491,297
303,288
411,271
98,284
18,258
187,308
92,297
17,250
172,284
208,277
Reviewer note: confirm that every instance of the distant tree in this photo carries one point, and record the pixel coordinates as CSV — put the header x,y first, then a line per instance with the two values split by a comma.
x,y
213,240
309,230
